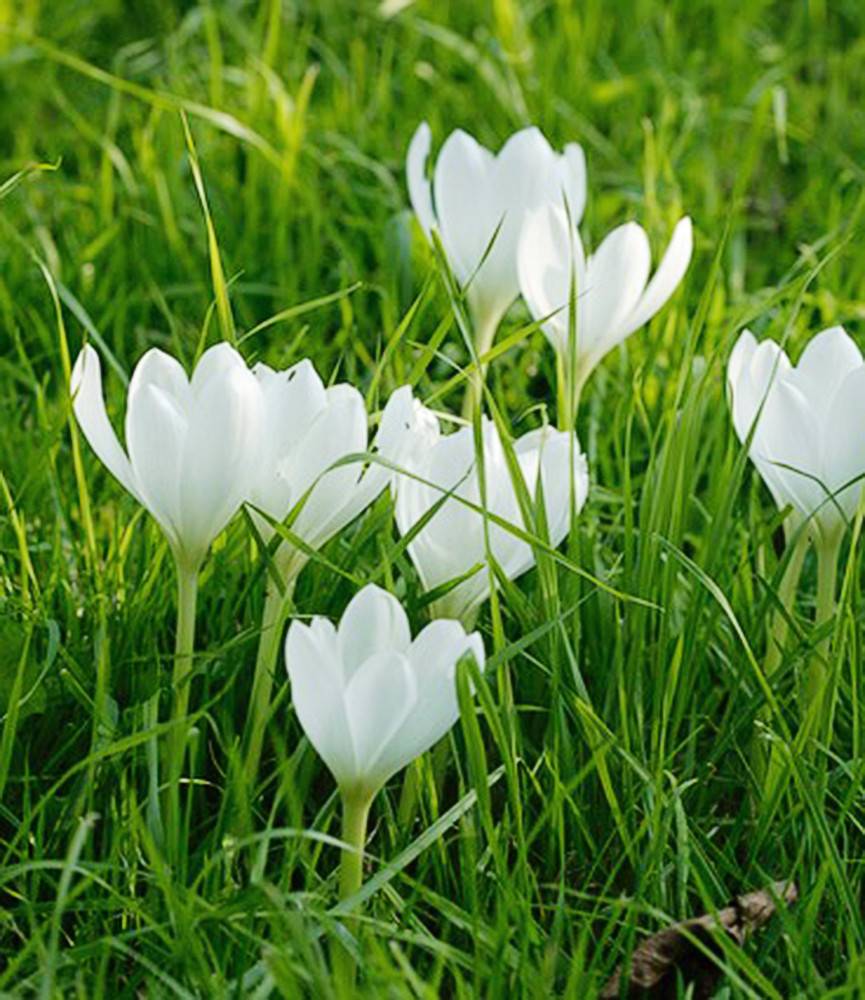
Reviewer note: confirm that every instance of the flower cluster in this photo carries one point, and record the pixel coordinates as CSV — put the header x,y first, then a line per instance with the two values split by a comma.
x,y
473,506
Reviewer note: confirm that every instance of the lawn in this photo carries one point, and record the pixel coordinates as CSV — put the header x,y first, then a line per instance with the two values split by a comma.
x,y
175,175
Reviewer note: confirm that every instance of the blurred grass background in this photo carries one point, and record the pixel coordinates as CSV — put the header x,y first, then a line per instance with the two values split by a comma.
x,y
626,798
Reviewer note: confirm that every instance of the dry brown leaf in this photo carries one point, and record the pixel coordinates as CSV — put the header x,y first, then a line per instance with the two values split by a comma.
x,y
678,953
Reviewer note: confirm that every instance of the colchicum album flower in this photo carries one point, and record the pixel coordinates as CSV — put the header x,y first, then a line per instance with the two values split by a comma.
x,y
611,288
808,443
308,429
473,193
452,543
369,698
192,445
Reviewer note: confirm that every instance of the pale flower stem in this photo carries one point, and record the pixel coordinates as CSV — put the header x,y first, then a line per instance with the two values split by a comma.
x,y
567,393
485,334
276,610
187,595
768,772
816,705
355,812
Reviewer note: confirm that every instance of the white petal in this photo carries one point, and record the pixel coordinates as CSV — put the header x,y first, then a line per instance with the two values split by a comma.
x,y
380,696
433,657
374,622
89,406
666,278
787,442
217,362
573,178
156,429
740,359
616,276
827,360
161,370
340,430
844,441
220,454
318,696
419,186
393,442
463,202
547,257
293,400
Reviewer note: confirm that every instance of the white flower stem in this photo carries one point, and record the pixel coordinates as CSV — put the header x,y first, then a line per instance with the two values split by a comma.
x,y
485,334
187,596
567,393
816,701
277,606
769,771
355,812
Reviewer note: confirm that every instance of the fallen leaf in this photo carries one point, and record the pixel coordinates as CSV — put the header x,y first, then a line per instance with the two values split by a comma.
x,y
679,953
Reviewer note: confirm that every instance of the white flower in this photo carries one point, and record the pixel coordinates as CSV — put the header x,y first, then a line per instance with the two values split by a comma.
x,y
612,291
307,430
192,445
473,192
809,440
369,698
452,542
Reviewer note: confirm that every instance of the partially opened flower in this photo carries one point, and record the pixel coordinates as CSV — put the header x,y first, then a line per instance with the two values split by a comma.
x,y
452,544
611,289
308,431
475,195
808,443
306,470
805,424
369,698
192,445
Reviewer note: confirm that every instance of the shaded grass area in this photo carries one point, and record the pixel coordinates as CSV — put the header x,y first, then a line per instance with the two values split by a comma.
x,y
603,784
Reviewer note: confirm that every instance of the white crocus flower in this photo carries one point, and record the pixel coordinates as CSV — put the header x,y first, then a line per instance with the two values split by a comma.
x,y
611,288
306,470
452,543
808,443
309,429
369,698
192,445
475,195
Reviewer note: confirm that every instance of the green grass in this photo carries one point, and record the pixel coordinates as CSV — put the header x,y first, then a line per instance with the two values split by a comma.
x,y
602,784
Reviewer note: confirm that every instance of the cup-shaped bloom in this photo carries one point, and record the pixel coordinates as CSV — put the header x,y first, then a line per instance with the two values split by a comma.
x,y
452,543
612,293
308,431
808,443
369,698
192,445
475,195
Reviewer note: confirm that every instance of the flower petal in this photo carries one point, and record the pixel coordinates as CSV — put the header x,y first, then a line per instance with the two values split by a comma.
x,y
419,186
616,276
88,404
374,622
666,278
547,257
156,429
844,441
828,359
572,168
380,696
463,202
221,451
318,696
